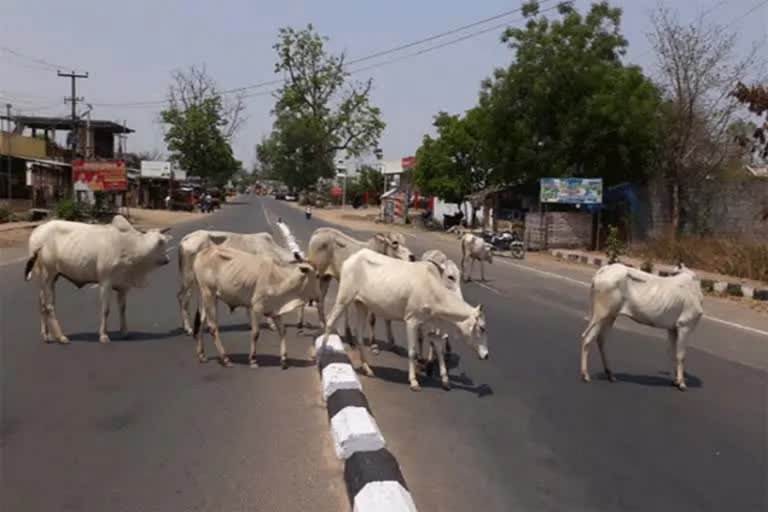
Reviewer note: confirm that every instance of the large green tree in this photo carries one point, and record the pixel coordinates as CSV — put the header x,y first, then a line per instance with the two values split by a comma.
x,y
319,112
455,163
200,124
568,105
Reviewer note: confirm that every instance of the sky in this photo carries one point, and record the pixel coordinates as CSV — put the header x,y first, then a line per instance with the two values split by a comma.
x,y
130,49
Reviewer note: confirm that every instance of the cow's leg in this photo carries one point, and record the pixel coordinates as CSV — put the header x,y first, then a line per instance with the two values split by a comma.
x,y
680,346
121,303
44,331
200,321
105,292
256,315
360,313
463,259
212,321
601,338
471,268
590,334
482,270
411,328
283,350
336,312
390,335
372,334
49,298
325,283
184,295
438,347
300,324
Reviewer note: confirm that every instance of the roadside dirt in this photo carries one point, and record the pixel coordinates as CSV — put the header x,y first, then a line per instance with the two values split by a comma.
x,y
15,234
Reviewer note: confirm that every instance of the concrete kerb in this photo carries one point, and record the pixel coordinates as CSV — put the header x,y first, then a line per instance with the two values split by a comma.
x,y
372,475
708,285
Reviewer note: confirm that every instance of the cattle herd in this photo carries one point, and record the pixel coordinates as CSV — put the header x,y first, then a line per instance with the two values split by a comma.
x,y
379,278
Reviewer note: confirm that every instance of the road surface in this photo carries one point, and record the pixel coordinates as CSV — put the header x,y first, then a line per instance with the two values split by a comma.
x,y
140,425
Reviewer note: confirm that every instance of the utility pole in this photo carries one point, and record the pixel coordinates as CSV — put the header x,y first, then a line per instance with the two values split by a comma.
x,y
9,162
74,99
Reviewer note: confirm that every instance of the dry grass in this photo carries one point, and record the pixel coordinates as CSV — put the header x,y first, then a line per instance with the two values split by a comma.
x,y
738,258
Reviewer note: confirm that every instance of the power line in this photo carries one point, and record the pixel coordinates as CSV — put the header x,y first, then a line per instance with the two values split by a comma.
x,y
381,53
47,65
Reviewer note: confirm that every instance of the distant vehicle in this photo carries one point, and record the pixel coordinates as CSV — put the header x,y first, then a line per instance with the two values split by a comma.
x,y
290,197
183,199
280,195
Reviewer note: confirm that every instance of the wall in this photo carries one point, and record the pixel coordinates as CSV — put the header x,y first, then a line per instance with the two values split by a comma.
x,y
443,208
20,146
737,209
554,230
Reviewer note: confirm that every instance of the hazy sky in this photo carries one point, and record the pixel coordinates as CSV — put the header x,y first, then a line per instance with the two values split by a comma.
x,y
129,49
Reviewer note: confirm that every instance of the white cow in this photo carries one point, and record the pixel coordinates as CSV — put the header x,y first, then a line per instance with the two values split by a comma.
x,y
475,248
193,243
260,282
116,256
409,292
673,303
329,248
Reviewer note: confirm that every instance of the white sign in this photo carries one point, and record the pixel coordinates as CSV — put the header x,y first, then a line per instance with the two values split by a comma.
x,y
155,169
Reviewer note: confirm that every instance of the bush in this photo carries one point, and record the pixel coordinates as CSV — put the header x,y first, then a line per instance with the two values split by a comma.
x,y
614,247
68,209
738,258
5,214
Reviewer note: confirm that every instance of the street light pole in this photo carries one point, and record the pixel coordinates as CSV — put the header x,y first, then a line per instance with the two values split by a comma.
x,y
8,154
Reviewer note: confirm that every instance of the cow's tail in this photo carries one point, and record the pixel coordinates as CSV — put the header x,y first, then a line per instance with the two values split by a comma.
x,y
30,266
198,323
290,241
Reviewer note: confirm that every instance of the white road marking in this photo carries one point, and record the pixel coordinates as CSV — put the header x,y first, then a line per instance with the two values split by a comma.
x,y
583,283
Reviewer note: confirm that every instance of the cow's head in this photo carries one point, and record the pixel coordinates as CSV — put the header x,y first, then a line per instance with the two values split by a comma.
x,y
450,274
157,241
310,279
473,329
393,245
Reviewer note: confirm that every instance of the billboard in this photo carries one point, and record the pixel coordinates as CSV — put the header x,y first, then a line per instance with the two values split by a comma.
x,y
571,190
155,169
99,176
408,162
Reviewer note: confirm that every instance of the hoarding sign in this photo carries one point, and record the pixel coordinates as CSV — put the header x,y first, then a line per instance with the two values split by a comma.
x,y
571,190
155,169
98,176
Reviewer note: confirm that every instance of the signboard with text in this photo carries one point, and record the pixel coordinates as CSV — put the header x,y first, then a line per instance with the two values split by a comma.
x,y
571,190
99,176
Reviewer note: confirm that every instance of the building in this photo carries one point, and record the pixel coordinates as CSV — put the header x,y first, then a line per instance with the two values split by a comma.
x,y
37,152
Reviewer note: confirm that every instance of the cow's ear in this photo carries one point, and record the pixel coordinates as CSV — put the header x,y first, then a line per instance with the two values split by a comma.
x,y
165,230
298,257
121,223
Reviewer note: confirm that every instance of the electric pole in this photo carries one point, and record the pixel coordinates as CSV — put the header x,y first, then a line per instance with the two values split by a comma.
x,y
74,99
9,162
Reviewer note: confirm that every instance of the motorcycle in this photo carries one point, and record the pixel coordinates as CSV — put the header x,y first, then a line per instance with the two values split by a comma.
x,y
506,241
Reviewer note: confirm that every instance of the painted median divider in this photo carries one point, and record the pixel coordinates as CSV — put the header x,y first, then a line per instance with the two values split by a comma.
x,y
372,474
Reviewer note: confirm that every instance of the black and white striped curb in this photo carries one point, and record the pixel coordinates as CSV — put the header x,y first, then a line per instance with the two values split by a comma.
x,y
708,285
372,474
290,240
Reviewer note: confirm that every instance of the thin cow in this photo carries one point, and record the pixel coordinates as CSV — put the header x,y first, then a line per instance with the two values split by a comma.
x,y
115,256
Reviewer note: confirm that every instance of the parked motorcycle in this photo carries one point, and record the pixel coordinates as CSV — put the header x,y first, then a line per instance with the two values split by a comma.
x,y
506,241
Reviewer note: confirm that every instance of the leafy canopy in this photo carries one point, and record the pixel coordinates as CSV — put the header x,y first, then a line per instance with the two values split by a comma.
x,y
318,113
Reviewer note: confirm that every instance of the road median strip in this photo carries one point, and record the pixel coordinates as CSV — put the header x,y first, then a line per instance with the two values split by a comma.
x,y
372,475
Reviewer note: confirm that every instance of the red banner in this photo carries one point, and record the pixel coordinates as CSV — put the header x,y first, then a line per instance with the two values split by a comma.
x,y
408,162
336,191
107,176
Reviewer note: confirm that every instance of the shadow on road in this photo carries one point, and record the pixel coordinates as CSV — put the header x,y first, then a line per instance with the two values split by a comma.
x,y
265,360
663,380
93,337
459,382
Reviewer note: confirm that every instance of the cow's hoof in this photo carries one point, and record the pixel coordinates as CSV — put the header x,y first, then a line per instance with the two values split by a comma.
x,y
65,341
585,377
681,386
103,338
446,385
253,364
375,350
415,386
201,358
367,371
188,331
610,376
226,363
284,364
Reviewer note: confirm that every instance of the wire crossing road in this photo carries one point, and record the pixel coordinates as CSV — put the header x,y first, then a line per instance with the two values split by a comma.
x,y
140,425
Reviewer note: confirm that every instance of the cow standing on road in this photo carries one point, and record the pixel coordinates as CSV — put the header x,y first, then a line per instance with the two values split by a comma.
x,y
115,256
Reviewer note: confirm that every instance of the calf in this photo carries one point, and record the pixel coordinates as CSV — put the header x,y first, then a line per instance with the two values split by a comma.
x,y
475,248
115,256
409,292
673,303
260,282
193,243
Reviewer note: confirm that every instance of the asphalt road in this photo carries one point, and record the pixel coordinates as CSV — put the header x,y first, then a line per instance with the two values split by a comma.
x,y
140,425
521,432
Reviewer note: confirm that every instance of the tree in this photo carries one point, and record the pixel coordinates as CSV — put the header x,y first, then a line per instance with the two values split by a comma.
x,y
371,180
200,126
319,111
697,71
756,99
567,105
454,164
